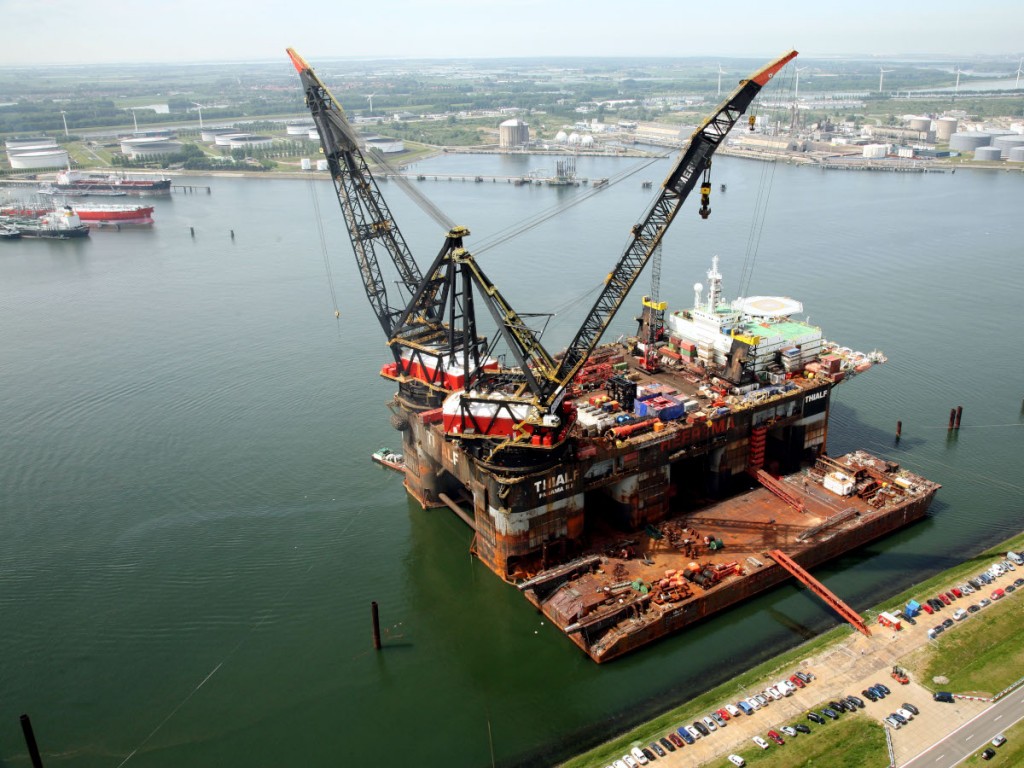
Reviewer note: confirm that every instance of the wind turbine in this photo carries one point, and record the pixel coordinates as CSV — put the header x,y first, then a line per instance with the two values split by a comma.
x,y
370,99
200,108
956,88
881,77
135,120
62,117
796,93
720,73
1020,68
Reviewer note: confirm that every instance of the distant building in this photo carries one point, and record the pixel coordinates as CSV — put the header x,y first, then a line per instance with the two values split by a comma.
x,y
513,133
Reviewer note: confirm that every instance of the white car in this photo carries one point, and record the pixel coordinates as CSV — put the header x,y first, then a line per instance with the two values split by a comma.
x,y
753,703
693,732
770,691
638,755
960,614
761,742
737,760
905,713
711,724
629,761
786,687
788,730
618,764
733,710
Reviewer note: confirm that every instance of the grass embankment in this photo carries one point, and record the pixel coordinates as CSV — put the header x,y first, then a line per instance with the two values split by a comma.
x,y
1011,753
855,741
698,707
981,656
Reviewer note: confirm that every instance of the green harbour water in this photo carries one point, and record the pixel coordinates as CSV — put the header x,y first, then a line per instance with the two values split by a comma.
x,y
192,531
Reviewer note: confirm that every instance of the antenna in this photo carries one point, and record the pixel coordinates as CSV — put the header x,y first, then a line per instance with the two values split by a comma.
x,y
62,117
796,92
200,107
1020,69
720,73
370,99
881,77
135,121
956,88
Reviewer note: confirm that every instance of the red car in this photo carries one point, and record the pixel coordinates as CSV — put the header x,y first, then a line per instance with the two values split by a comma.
x,y
945,599
725,715
797,681
674,738
998,594
956,592
774,736
927,608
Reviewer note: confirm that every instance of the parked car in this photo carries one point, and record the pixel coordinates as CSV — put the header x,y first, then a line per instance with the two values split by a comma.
x,y
737,761
1018,582
701,728
761,699
927,607
802,728
795,680
745,708
1010,588
676,739
688,733
659,750
984,602
776,737
957,592
647,753
760,742
630,761
732,709
967,589
719,720
998,594
912,709
831,714
805,676
910,619
789,730
773,693
814,717
999,740
869,694
975,583
960,614
943,696
787,688
835,706
947,623
639,756
988,754
724,713
709,723
877,691
906,714
893,722
619,764
856,701
944,598
938,629
882,688
973,608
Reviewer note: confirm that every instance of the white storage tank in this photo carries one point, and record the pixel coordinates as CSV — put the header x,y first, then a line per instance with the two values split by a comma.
x,y
209,135
968,141
43,158
1016,155
250,140
1008,142
305,164
297,129
920,123
561,137
321,165
944,128
513,133
29,143
988,153
876,150
224,139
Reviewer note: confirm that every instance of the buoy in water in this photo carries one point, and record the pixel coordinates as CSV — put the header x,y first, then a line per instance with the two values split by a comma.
x,y
337,313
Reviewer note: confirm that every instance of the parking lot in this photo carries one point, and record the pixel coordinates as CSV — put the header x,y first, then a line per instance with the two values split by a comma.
x,y
848,668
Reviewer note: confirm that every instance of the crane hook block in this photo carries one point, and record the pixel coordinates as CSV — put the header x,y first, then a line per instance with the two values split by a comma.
x,y
751,120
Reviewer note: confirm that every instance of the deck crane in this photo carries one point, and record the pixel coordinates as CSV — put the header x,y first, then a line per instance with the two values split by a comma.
x,y
500,413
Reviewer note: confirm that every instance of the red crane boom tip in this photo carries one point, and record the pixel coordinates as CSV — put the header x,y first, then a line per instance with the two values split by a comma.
x,y
298,61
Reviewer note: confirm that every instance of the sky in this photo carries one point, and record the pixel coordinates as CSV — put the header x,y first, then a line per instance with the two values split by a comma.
x,y
140,31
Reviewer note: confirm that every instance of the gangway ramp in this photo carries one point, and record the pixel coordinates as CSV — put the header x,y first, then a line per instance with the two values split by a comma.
x,y
830,598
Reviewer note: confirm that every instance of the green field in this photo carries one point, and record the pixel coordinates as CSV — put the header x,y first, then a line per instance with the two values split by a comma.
x,y
853,742
981,656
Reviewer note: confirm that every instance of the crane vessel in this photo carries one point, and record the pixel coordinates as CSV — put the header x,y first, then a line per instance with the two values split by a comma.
x,y
632,488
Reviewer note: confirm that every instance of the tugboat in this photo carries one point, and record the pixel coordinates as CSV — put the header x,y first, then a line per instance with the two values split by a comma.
x,y
388,458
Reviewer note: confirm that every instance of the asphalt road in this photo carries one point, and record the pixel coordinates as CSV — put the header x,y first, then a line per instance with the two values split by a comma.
x,y
974,735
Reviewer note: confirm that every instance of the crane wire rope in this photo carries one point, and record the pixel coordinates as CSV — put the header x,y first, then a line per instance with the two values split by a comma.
x,y
318,216
765,186
514,230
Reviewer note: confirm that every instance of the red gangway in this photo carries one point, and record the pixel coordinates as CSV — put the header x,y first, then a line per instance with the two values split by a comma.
x,y
820,590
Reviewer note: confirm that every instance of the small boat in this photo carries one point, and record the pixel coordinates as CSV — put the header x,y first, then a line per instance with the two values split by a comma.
x,y
388,458
8,232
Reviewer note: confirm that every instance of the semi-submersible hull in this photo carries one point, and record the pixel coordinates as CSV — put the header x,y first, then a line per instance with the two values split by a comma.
x,y
589,539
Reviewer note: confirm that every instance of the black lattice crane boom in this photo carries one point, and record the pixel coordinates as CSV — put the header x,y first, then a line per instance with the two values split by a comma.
x,y
692,165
